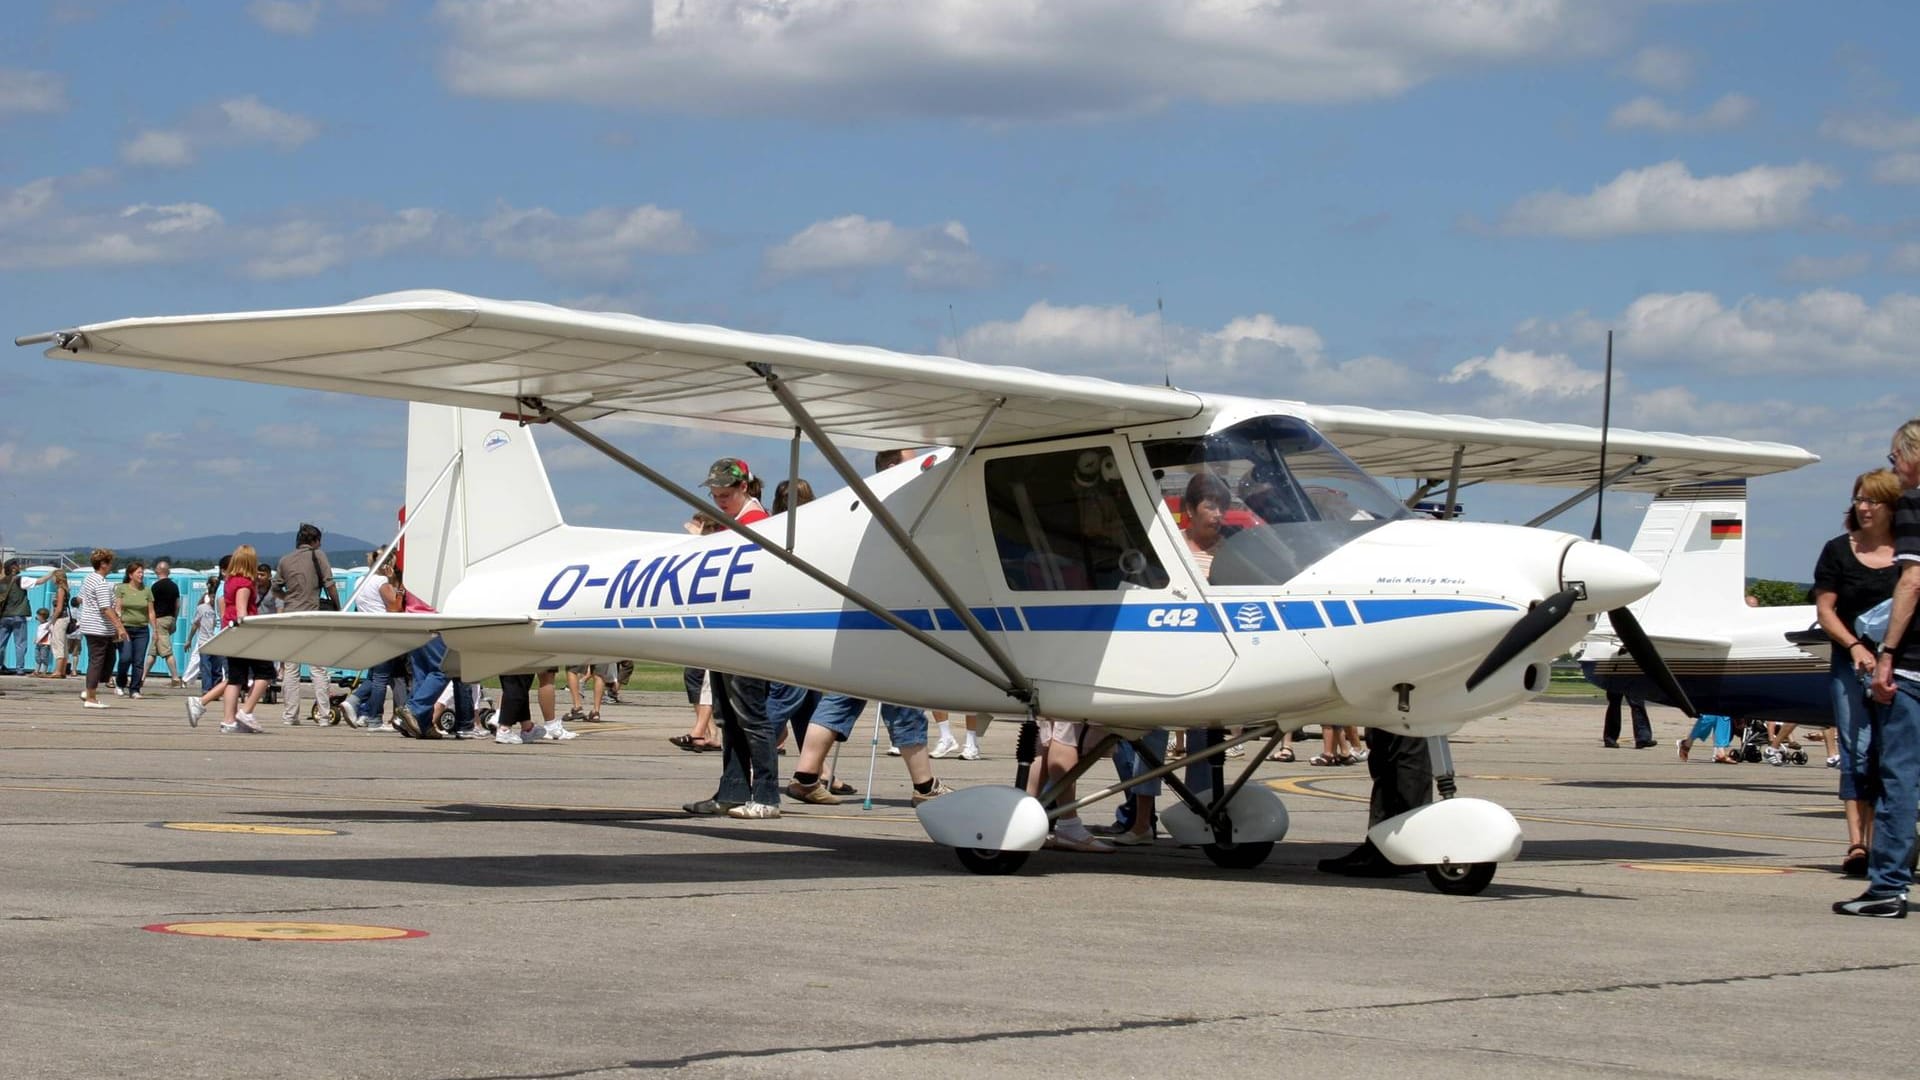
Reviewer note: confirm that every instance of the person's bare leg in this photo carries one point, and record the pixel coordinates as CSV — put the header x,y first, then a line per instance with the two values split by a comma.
x,y
918,762
230,701
549,701
599,692
703,724
573,693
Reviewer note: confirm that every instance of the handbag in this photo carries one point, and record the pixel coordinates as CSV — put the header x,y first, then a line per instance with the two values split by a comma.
x,y
329,598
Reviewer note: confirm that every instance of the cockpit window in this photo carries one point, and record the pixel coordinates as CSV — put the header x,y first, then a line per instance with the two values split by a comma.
x,y
1295,497
1064,521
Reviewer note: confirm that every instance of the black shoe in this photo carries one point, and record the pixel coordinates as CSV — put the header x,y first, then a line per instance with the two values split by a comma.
x,y
1364,861
1874,906
1611,744
1643,744
708,808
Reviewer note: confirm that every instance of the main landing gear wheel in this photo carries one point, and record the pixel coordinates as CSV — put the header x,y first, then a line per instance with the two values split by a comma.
x,y
992,863
1231,856
1461,879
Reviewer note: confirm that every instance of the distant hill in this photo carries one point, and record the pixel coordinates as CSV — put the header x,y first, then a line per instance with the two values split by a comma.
x,y
342,550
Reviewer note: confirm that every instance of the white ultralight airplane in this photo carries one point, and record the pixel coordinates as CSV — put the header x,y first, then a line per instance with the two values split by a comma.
x,y
1028,563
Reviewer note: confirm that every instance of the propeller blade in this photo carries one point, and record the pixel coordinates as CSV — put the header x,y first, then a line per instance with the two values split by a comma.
x,y
1606,422
1640,647
1533,626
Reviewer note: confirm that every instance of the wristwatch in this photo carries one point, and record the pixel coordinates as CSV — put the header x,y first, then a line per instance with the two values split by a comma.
x,y
1888,648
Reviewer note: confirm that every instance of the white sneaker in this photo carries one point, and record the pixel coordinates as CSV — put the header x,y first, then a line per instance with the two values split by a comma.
x,y
195,710
754,811
556,731
117,692
94,704
893,751
508,735
230,729
970,753
135,695
947,746
246,722
375,727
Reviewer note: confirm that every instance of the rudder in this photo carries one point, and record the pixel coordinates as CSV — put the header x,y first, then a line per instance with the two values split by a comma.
x,y
494,496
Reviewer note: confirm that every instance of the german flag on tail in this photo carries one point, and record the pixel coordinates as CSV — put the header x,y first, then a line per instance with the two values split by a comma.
x,y
1725,529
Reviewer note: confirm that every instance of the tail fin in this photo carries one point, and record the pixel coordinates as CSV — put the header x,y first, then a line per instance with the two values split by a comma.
x,y
495,494
1695,536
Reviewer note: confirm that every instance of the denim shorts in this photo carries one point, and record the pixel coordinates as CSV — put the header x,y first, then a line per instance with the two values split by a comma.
x,y
838,713
1853,730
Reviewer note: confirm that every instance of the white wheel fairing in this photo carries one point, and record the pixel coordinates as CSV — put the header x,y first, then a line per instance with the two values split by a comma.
x,y
1257,814
989,817
1449,831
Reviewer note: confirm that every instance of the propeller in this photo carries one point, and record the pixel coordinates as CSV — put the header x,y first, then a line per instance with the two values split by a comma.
x,y
1640,647
1606,421
1539,620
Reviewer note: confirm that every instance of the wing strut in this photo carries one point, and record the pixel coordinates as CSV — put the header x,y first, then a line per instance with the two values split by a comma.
x,y
952,467
1020,689
1625,471
1016,683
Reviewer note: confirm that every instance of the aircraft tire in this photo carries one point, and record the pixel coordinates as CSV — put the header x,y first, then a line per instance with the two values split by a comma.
x,y
1461,879
991,863
1239,856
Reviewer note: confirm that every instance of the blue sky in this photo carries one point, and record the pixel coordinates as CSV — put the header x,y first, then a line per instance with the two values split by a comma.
x,y
1436,205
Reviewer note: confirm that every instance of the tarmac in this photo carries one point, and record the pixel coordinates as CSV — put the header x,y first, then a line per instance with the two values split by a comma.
x,y
547,911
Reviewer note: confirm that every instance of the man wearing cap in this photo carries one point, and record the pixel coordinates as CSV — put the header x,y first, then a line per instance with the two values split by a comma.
x,y
750,778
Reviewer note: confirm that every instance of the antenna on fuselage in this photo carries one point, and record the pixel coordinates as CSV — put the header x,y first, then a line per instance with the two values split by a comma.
x,y
1606,420
1160,317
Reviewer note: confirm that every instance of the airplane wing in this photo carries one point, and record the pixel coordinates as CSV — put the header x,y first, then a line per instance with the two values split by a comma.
x,y
1420,446
337,639
451,349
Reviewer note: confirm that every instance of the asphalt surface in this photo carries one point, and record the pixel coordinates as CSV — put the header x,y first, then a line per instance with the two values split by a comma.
x,y
1664,919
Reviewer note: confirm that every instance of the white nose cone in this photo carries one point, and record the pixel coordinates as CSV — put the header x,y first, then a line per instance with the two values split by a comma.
x,y
1612,577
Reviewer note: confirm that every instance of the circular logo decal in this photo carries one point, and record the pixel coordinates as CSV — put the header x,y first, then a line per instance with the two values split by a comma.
x,y
245,827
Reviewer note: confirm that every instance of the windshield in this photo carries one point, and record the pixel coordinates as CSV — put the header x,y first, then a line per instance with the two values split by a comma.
x,y
1292,498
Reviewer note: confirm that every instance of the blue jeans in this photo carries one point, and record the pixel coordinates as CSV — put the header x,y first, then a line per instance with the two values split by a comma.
x,y
429,680
792,705
213,670
370,697
751,765
1897,738
130,669
1853,730
1129,765
906,726
13,631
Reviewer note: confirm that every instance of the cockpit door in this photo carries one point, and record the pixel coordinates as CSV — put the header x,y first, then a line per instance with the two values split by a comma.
x,y
1091,587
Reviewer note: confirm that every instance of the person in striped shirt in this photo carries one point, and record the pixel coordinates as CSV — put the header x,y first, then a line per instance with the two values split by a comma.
x,y
100,625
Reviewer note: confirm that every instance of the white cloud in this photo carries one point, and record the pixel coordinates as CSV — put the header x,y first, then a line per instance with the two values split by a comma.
x,y
1897,169
934,256
1001,60
1667,198
234,122
165,149
1874,131
1826,267
13,458
285,16
599,242
1529,374
1661,68
295,249
24,91
1823,330
1651,114
250,120
39,231
1255,354
1904,259
173,218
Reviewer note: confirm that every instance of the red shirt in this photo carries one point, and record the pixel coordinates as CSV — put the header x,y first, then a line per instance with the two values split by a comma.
x,y
754,512
229,590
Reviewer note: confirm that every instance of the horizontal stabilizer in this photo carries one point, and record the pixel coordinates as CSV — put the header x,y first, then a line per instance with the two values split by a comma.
x,y
341,639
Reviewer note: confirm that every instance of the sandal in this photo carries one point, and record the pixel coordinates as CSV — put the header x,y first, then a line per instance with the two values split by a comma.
x,y
593,717
684,742
1285,754
1323,759
840,787
1684,745
1855,864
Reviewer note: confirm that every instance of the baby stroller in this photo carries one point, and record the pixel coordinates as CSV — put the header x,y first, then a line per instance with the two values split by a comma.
x,y
483,709
339,708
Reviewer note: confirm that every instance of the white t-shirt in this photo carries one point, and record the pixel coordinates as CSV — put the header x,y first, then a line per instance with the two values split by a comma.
x,y
366,597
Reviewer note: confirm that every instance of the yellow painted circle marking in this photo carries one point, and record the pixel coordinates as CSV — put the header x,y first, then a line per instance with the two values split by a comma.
x,y
244,827
1525,779
286,931
1706,868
